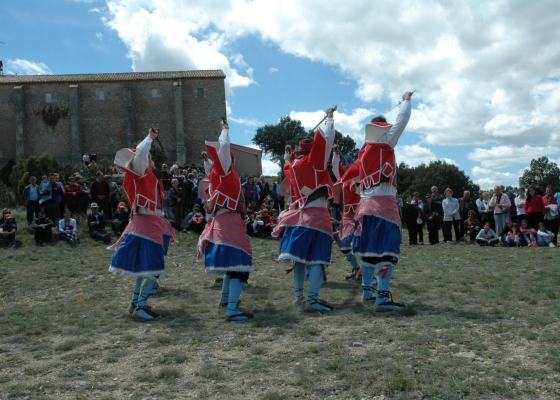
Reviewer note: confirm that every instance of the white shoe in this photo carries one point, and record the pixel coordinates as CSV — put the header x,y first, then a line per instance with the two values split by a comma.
x,y
551,244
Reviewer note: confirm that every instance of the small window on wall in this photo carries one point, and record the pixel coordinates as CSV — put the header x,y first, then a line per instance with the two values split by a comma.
x,y
101,95
155,93
48,97
200,93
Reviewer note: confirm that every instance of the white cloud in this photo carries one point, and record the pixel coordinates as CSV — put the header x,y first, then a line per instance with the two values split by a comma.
x,y
270,168
484,74
272,70
506,156
246,121
24,67
99,35
487,178
414,155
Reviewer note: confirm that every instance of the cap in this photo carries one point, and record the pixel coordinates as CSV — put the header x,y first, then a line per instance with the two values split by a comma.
x,y
7,216
94,205
122,205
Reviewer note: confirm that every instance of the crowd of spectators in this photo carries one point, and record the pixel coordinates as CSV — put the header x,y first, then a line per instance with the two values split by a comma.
x,y
499,218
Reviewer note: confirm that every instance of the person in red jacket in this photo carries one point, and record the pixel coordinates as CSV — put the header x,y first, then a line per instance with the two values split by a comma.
x,y
534,208
72,196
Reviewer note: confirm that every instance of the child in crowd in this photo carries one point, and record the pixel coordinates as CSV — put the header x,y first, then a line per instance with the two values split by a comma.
x,y
513,236
528,234
544,237
487,237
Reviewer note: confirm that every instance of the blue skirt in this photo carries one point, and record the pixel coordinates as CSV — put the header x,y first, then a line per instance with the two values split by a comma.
x,y
379,237
346,243
306,245
139,257
220,258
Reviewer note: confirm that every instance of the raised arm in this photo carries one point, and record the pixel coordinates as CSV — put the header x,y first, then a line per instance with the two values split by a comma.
x,y
393,135
336,162
225,158
141,158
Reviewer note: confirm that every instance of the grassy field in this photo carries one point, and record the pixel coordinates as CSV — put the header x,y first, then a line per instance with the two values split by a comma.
x,y
482,323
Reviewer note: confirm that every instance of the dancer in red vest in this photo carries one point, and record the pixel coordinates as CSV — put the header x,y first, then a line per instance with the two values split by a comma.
x,y
306,227
141,248
378,225
349,198
223,243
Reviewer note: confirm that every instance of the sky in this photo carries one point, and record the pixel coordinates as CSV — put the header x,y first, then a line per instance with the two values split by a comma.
x,y
486,74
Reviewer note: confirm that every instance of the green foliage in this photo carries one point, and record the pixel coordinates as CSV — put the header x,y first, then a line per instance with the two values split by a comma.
x,y
6,171
439,173
157,155
272,139
7,196
543,171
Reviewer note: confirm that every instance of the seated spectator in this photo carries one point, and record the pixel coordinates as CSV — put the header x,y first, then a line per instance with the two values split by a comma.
x,y
8,230
274,215
120,219
513,237
195,220
67,228
96,224
485,211
268,223
528,234
507,229
486,236
43,228
3,218
472,226
544,237
250,221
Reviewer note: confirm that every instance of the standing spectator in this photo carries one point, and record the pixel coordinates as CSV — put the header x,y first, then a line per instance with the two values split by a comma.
x,y
120,219
451,216
544,237
72,195
242,178
96,223
50,198
520,204
502,206
410,212
100,192
8,231
113,195
93,157
472,226
466,204
165,177
534,208
436,197
534,185
419,217
84,198
250,190
432,216
177,198
264,187
174,167
277,193
486,236
58,199
551,214
43,228
67,228
485,211
190,183
86,159
30,198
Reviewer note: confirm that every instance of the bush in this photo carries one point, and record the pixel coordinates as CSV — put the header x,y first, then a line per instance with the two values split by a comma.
x,y
6,171
7,196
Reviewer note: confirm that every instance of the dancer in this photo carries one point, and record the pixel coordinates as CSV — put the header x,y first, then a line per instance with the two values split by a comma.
x,y
378,225
141,248
350,199
307,230
223,243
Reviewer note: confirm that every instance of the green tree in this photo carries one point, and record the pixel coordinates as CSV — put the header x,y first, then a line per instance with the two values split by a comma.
x,y
272,139
543,171
438,173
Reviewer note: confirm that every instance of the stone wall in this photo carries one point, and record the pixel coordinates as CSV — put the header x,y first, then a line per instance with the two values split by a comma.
x,y
79,119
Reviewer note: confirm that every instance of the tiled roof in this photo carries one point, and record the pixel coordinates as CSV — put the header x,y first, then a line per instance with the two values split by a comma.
x,y
120,76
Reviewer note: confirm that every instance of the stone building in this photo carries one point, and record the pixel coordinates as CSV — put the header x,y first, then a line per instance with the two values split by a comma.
x,y
67,115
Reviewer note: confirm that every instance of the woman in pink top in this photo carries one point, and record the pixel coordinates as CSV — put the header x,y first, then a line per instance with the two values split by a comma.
x,y
534,208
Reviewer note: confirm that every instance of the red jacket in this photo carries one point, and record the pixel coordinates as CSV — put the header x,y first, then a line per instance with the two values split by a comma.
x,y
69,198
535,205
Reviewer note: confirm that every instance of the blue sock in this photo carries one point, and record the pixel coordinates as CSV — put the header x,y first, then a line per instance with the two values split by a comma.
x,y
235,288
353,260
145,289
299,272
225,290
315,281
368,272
383,282
136,292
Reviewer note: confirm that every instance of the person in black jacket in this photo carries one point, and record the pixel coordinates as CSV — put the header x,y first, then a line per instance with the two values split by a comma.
x,y
43,228
410,213
96,224
432,215
101,192
120,219
466,204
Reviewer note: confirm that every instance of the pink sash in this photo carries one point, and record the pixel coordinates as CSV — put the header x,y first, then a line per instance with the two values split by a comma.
x,y
148,227
227,228
310,217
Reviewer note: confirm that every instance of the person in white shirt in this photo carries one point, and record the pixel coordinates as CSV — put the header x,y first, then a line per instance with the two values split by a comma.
x,y
68,229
